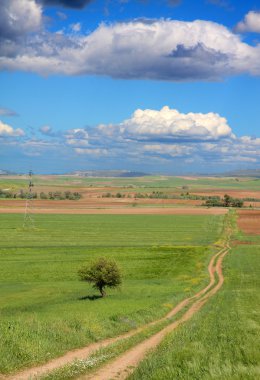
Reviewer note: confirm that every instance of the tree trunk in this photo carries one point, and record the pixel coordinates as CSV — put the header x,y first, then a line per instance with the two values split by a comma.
x,y
102,291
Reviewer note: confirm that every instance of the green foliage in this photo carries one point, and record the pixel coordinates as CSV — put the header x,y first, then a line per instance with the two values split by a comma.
x,y
222,340
73,370
158,183
57,195
43,306
110,230
103,273
227,201
43,195
21,194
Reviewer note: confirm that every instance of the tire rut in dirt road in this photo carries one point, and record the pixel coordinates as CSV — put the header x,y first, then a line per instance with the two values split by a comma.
x,y
124,365
84,353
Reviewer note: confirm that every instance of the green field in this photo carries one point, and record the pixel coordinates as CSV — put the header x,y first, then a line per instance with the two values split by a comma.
x,y
43,306
109,230
148,183
222,341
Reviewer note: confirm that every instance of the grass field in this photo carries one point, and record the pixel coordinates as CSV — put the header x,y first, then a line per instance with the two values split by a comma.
x,y
222,341
163,259
149,182
109,230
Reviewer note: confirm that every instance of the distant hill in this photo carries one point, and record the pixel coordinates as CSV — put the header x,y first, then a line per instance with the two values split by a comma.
x,y
244,173
6,172
108,173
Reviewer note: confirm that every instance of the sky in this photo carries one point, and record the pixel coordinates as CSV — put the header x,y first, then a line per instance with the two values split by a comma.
x,y
166,86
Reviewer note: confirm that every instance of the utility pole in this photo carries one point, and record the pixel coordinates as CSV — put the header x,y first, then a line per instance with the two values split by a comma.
x,y
28,222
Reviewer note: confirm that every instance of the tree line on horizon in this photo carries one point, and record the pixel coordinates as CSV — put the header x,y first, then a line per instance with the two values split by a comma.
x,y
54,195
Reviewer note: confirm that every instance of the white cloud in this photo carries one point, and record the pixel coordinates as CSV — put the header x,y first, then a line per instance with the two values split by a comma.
x,y
244,149
7,131
168,125
153,137
77,137
76,27
18,17
77,142
249,141
171,135
251,23
143,49
169,150
92,151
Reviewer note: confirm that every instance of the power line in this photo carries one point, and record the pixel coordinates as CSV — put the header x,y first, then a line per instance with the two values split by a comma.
x,y
28,221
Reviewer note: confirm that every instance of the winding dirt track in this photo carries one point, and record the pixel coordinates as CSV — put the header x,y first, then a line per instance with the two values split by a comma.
x,y
133,356
124,365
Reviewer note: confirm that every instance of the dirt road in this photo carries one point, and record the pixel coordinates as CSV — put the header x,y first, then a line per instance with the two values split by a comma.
x,y
135,355
126,363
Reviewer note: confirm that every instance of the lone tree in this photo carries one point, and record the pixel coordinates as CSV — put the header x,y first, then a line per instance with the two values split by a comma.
x,y
102,273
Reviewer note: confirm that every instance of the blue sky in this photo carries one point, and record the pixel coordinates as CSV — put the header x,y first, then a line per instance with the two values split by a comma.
x,y
159,86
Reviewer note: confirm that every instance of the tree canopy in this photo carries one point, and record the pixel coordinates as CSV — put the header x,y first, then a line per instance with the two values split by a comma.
x,y
101,273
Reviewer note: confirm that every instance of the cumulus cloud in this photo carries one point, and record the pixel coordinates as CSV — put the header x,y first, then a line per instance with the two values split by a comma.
x,y
7,131
19,17
251,23
77,137
238,149
169,125
168,134
150,136
141,49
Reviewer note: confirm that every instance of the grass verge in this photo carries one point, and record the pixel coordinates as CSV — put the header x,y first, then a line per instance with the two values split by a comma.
x,y
222,340
46,311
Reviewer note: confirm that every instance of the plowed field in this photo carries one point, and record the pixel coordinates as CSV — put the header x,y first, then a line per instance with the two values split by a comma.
x,y
249,221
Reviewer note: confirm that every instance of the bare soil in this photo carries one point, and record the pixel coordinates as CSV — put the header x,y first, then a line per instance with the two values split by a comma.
x,y
249,221
99,207
234,243
233,193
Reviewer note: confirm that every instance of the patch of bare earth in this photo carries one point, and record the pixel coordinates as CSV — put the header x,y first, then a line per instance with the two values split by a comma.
x,y
237,193
249,221
234,243
103,207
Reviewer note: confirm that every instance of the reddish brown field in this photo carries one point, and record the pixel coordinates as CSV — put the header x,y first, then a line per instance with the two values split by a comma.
x,y
106,206
97,203
232,193
249,221
126,211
